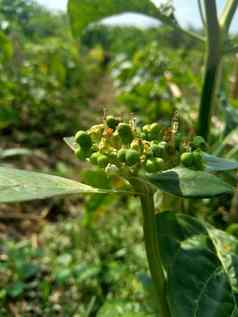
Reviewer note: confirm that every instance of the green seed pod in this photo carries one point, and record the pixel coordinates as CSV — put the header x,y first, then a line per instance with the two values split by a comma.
x,y
159,162
146,128
132,157
199,143
187,159
102,160
159,149
112,122
163,148
146,135
150,166
178,140
83,139
197,160
125,133
154,131
233,229
121,155
94,158
82,154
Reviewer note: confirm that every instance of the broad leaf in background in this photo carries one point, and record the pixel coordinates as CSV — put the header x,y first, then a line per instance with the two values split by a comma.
x,y
17,185
201,266
6,49
216,164
84,12
189,183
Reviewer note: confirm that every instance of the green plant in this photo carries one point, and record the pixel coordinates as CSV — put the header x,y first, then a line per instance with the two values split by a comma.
x,y
169,178
192,264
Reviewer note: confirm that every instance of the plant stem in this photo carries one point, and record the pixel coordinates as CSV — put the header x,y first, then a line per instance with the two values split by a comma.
x,y
228,14
152,244
213,67
201,13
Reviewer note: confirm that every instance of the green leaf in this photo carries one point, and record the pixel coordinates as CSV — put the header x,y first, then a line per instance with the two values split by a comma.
x,y
14,152
71,143
6,49
17,185
201,264
117,308
189,183
15,289
216,164
84,12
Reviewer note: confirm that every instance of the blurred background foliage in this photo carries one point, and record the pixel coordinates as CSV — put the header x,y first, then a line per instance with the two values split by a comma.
x,y
85,257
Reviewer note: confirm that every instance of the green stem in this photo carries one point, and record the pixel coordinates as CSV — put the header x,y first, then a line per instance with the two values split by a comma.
x,y
152,244
211,82
228,14
209,98
201,13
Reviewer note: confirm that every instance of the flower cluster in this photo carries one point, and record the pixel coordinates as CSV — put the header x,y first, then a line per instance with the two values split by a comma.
x,y
123,148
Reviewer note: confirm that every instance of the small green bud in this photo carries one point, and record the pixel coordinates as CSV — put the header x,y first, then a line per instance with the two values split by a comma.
x,y
121,155
187,159
82,154
150,166
197,160
199,143
112,122
159,149
146,128
146,135
83,139
159,162
178,140
154,131
132,157
233,229
125,133
102,160
94,158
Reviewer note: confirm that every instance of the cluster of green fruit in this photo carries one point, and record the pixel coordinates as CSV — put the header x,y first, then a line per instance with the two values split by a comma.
x,y
123,148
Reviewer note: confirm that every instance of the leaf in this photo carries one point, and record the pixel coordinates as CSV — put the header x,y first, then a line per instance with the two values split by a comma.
x,y
18,185
14,152
6,50
15,289
216,164
119,308
84,12
201,265
189,183
71,143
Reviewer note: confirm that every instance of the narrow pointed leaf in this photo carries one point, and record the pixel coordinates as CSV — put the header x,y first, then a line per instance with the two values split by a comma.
x,y
201,264
71,143
189,183
84,12
18,185
217,164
